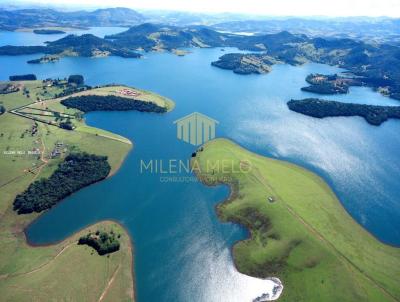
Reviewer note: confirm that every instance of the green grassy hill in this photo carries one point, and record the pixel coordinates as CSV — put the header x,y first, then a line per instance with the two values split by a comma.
x,y
63,271
299,230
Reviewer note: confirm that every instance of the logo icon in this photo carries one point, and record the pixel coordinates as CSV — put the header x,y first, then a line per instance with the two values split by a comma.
x,y
195,128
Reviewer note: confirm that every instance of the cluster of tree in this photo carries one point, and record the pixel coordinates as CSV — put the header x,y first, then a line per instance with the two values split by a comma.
x,y
374,115
84,46
23,77
255,63
67,125
44,59
327,88
2,109
315,78
88,103
377,64
331,83
8,88
77,171
76,79
103,242
71,89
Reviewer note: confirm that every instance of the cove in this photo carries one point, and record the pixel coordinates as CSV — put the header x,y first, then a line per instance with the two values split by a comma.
x,y
182,251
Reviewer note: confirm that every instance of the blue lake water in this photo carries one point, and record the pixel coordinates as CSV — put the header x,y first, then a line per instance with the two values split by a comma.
x,y
31,39
182,251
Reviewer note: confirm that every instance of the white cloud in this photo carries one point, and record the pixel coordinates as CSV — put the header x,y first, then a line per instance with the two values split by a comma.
x,y
265,7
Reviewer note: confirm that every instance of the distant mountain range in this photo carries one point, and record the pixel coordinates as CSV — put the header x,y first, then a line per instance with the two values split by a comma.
x,y
35,18
365,28
374,29
377,64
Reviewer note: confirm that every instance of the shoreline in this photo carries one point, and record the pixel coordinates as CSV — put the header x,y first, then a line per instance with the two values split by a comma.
x,y
100,222
170,106
250,236
29,220
249,233
70,237
319,178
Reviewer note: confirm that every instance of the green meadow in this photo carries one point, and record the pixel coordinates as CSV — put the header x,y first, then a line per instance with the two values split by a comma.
x,y
63,271
299,231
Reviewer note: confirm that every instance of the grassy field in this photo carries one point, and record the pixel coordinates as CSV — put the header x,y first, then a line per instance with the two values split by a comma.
x,y
299,230
41,105
64,271
72,272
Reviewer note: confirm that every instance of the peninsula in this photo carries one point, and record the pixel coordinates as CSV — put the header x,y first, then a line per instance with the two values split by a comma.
x,y
48,31
245,64
299,232
374,115
37,155
330,84
86,45
375,65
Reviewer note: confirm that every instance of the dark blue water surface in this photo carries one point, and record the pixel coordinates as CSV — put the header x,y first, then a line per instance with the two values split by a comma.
x,y
181,249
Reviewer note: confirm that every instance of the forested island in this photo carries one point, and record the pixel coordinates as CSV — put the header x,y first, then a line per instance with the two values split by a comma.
x,y
48,31
45,59
86,45
103,242
374,115
376,65
330,84
87,103
77,171
245,64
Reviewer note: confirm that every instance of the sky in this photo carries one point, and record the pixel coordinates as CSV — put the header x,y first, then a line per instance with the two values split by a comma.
x,y
373,8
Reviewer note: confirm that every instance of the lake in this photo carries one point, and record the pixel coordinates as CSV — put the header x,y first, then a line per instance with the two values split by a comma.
x,y
182,251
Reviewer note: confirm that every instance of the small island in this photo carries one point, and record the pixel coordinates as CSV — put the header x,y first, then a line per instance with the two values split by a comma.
x,y
48,31
329,84
374,115
104,242
45,59
376,66
245,63
86,45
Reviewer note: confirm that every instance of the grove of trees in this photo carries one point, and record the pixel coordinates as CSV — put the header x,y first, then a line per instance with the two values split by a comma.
x,y
77,171
103,242
88,103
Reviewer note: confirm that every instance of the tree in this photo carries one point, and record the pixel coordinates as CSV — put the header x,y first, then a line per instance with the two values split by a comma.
x,y
67,125
76,79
